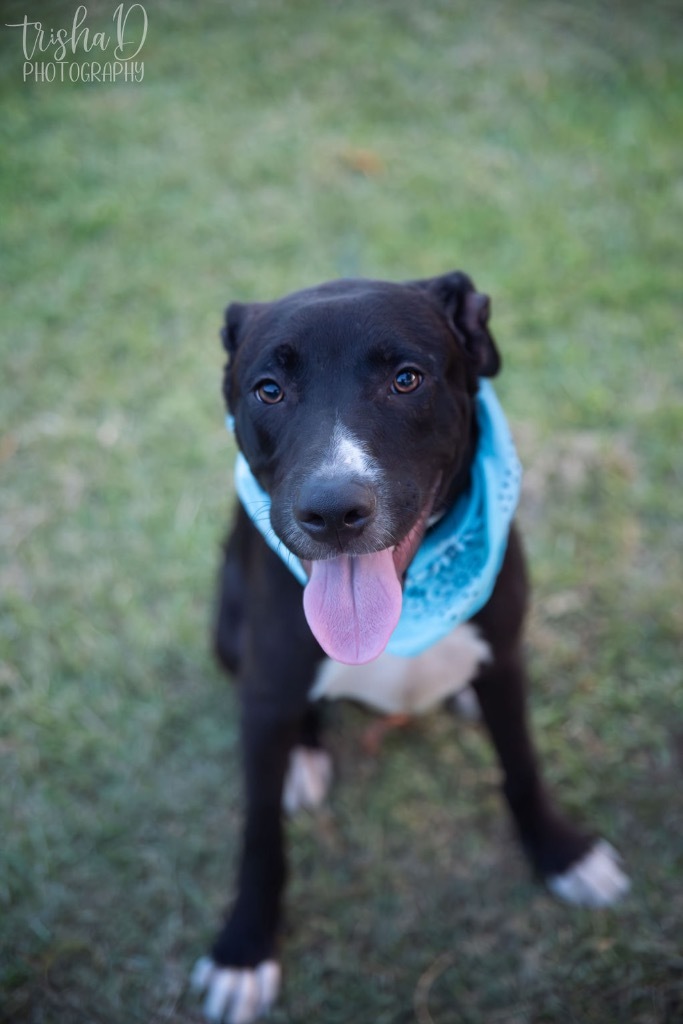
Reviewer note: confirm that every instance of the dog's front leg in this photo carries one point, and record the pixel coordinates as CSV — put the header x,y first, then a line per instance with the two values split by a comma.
x,y
249,935
276,660
575,865
242,977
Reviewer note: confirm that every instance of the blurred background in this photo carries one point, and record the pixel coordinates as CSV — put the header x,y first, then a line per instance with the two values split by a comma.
x,y
268,146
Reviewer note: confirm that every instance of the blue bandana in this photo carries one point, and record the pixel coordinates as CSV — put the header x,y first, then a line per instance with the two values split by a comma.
x,y
456,566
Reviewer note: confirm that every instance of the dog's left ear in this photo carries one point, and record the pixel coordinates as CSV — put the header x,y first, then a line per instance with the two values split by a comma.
x,y
467,312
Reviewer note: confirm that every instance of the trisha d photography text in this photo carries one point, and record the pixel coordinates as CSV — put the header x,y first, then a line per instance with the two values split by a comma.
x,y
54,54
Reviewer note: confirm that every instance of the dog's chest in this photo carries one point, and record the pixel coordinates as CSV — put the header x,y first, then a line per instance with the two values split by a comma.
x,y
396,685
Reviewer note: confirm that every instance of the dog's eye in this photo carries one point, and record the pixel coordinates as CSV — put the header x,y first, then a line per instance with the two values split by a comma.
x,y
269,392
406,380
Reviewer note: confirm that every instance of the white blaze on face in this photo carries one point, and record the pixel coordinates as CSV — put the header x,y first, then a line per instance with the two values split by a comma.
x,y
346,454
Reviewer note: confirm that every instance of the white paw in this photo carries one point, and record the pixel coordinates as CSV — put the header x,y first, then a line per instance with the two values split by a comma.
x,y
595,881
308,779
234,995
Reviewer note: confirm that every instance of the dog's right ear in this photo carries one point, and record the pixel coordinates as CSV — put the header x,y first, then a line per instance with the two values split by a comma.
x,y
238,317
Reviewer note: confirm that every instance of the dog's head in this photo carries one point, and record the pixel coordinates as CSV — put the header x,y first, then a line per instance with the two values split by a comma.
x,y
353,405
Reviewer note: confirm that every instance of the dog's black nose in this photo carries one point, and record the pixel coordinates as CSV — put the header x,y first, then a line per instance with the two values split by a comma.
x,y
333,510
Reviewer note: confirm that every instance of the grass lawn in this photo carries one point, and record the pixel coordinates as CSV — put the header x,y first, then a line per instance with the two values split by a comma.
x,y
271,145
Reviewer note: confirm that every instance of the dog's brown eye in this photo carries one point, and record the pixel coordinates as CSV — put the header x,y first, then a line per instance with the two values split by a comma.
x,y
406,380
269,392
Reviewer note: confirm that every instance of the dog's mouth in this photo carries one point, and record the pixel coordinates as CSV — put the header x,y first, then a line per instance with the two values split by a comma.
x,y
353,602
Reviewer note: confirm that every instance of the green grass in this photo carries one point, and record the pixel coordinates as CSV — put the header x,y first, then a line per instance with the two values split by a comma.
x,y
272,145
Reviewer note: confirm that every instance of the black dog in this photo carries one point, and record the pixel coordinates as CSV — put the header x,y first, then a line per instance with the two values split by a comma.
x,y
355,407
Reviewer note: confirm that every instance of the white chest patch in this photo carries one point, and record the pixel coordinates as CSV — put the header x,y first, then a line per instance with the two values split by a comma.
x,y
396,685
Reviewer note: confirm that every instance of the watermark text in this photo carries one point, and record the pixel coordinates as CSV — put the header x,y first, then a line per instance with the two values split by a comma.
x,y
56,54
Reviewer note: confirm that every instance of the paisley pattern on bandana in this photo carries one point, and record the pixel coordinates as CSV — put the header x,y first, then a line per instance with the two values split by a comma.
x,y
455,568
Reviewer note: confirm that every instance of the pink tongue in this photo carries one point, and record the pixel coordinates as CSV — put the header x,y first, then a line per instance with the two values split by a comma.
x,y
352,604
